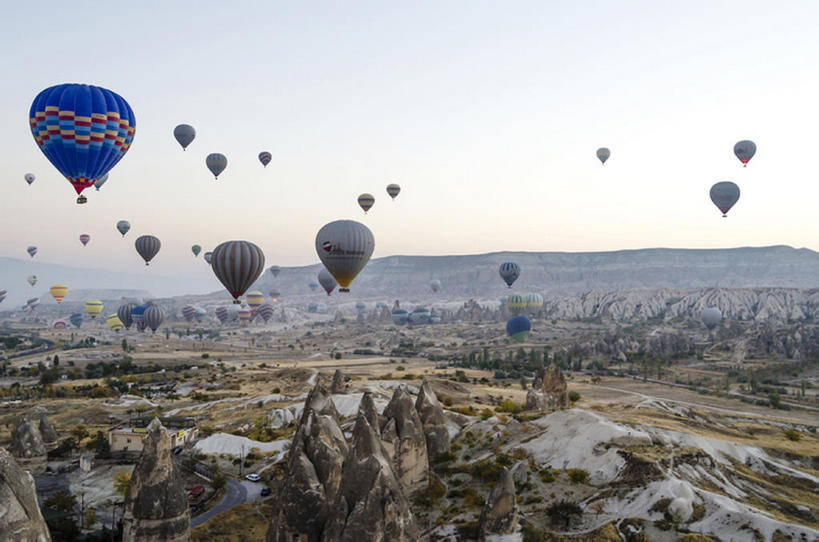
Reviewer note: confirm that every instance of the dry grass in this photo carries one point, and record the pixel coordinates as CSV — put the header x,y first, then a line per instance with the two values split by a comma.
x,y
239,524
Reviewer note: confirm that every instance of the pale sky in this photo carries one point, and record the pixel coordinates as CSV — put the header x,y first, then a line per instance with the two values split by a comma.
x,y
488,115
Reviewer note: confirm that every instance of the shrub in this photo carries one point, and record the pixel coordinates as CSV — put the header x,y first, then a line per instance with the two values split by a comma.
x,y
574,396
578,476
508,406
793,435
563,511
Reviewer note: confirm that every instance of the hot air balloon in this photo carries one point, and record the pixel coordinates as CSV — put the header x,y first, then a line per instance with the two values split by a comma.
x,y
200,313
153,317
124,314
147,246
184,134
724,195
244,315
745,150
114,322
275,270
84,238
518,327
59,324
83,130
327,281
216,163
360,306
515,303
711,317
208,257
3,294
509,272
76,319
32,280
58,292
101,181
33,305
32,300
265,311
265,158
237,265
196,249
31,251
400,317
435,285
275,294
344,247
138,317
93,308
533,302
254,299
123,226
188,313
393,190
603,154
366,201
419,315
29,177
313,286
222,314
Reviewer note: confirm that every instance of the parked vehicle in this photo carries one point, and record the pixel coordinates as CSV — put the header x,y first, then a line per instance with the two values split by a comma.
x,y
253,477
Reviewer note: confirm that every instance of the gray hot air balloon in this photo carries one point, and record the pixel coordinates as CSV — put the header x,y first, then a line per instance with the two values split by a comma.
x,y
509,272
745,150
275,270
29,177
153,317
265,158
327,281
216,163
237,265
603,154
184,134
123,226
344,247
724,195
147,246
208,257
711,317
32,250
435,285
101,181
124,314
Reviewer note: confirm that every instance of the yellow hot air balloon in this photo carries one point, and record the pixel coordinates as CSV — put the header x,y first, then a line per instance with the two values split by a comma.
x,y
114,322
58,292
254,299
93,308
515,303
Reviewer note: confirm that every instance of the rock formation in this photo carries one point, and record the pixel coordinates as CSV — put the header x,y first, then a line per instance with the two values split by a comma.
x,y
535,400
20,517
432,418
368,409
27,446
156,506
313,477
404,434
551,383
500,513
338,385
371,504
48,433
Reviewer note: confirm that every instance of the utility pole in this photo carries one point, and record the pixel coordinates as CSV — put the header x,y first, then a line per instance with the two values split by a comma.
x,y
241,460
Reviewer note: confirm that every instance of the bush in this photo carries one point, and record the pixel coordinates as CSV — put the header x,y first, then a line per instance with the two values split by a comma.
x,y
793,435
574,396
563,511
508,406
578,476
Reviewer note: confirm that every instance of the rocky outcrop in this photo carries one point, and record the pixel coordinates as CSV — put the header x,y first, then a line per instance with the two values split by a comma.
x,y
371,504
20,517
338,385
156,506
404,433
27,446
48,433
368,409
535,400
431,414
500,512
313,476
552,385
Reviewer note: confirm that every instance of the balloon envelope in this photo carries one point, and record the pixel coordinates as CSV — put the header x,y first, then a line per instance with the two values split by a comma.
x,y
184,134
147,246
711,317
393,190
265,158
435,285
29,177
32,280
208,257
509,272
327,281
533,302
724,195
101,181
745,150
124,314
84,238
196,249
515,303
76,319
237,265
366,201
344,247
518,327
58,292
265,311
31,251
114,322
603,154
222,314
93,308
275,270
254,299
154,316
138,317
123,226
400,317
188,313
83,130
216,163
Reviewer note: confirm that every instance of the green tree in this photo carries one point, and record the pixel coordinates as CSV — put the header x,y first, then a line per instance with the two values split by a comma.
x,y
60,508
79,432
90,518
124,345
121,481
774,400
56,361
219,481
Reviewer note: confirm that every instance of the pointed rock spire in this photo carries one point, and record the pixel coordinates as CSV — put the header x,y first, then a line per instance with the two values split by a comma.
x,y
500,513
431,413
408,440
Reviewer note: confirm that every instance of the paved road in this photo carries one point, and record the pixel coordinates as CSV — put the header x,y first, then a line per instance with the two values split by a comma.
x,y
237,493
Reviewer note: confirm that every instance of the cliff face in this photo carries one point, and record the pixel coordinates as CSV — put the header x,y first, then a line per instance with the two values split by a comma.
x,y
156,506
20,517
28,447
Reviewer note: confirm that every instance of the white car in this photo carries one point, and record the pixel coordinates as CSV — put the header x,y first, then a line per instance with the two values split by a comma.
x,y
253,477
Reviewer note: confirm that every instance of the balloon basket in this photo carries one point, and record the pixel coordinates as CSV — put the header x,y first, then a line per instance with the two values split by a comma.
x,y
82,199
343,289
237,302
